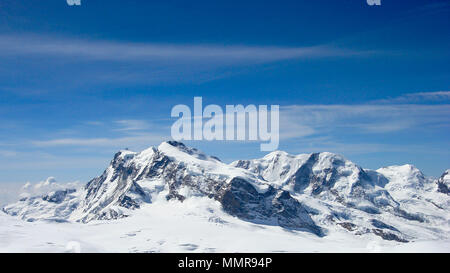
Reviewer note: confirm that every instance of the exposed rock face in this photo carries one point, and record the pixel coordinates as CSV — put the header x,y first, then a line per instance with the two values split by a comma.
x,y
240,198
57,196
444,183
309,192
115,187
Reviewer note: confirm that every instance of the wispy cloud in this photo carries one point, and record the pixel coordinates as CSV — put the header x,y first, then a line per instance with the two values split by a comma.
x,y
123,62
420,97
363,118
111,135
125,51
342,128
132,125
7,153
318,144
143,139
296,121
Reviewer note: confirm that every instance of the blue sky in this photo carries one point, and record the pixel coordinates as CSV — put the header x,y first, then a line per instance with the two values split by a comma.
x,y
78,83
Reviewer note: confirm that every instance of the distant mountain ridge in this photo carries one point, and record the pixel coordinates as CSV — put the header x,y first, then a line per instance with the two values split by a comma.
x,y
319,193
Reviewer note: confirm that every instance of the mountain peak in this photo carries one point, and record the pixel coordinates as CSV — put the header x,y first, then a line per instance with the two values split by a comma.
x,y
407,171
123,154
175,143
182,152
404,180
276,154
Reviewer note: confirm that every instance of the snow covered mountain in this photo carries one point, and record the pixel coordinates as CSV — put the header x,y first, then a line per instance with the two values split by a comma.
x,y
319,193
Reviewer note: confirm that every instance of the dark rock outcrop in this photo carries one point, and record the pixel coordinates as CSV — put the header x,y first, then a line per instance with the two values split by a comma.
x,y
443,183
241,199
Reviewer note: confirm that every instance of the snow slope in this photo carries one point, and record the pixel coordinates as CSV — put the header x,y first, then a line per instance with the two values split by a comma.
x,y
198,226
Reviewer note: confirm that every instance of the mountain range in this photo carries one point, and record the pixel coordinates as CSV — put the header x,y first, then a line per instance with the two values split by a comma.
x,y
318,193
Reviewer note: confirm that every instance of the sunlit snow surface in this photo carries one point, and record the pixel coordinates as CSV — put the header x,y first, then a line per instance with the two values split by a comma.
x,y
197,225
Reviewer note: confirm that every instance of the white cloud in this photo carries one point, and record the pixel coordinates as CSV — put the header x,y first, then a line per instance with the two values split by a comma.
x,y
111,142
95,61
45,187
8,153
132,125
12,192
33,163
362,118
125,51
296,121
328,144
420,97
